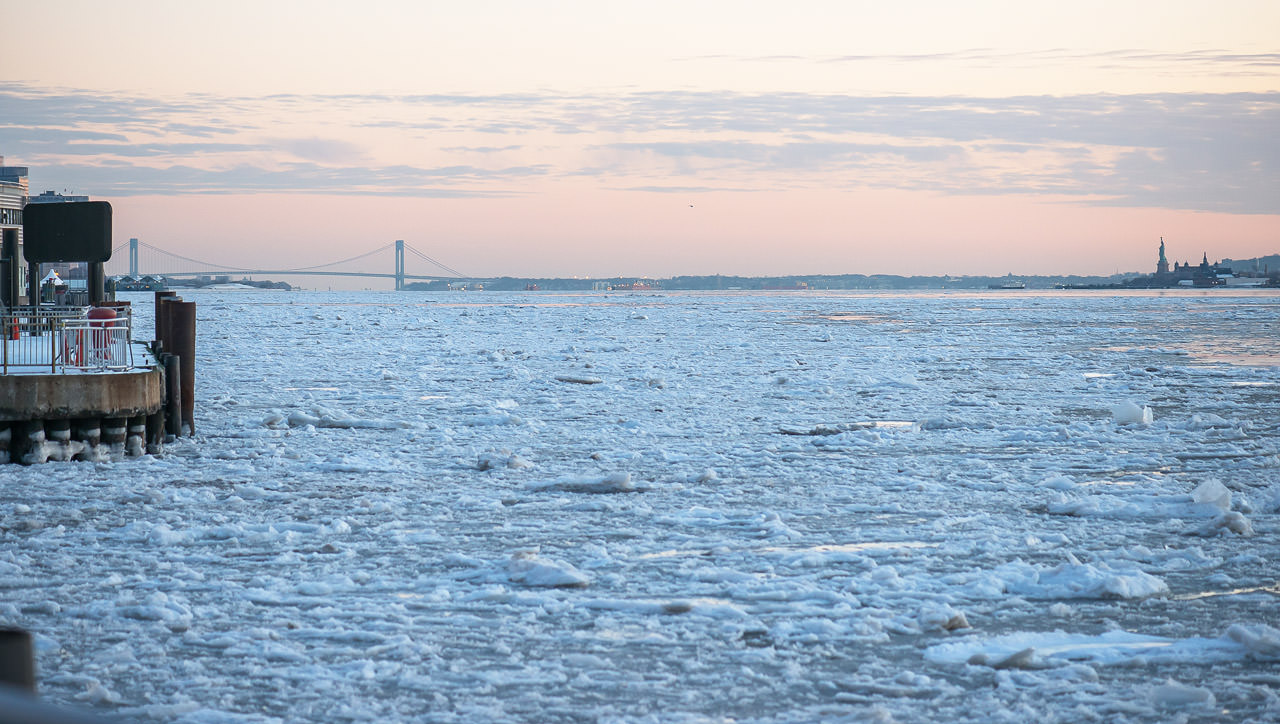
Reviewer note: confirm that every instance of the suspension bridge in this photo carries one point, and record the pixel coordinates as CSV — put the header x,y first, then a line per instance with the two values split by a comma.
x,y
146,260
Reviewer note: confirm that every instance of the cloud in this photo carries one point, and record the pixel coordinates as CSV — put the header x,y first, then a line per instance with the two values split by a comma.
x,y
1202,151
808,155
445,182
1225,60
321,150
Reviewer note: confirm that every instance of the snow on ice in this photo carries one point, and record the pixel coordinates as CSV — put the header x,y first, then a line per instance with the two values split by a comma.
x,y
679,507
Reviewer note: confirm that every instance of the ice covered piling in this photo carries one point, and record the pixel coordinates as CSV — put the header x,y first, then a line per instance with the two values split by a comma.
x,y
1128,413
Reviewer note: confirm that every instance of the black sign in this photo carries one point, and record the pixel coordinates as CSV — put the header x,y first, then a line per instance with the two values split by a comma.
x,y
67,231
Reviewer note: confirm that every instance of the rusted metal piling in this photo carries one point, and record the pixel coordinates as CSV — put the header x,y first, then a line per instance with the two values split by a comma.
x,y
176,348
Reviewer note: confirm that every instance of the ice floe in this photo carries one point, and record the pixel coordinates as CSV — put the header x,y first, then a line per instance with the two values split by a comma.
x,y
676,507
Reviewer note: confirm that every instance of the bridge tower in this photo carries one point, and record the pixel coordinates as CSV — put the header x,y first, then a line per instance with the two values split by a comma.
x,y
399,265
133,258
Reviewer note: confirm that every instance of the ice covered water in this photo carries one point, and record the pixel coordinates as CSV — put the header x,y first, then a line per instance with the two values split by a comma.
x,y
679,507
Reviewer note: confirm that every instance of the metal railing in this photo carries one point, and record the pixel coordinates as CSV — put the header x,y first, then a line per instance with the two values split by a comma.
x,y
61,339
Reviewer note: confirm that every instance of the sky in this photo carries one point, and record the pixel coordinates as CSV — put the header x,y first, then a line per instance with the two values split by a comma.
x,y
661,138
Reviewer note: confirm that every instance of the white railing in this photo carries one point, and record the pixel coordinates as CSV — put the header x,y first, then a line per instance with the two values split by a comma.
x,y
64,339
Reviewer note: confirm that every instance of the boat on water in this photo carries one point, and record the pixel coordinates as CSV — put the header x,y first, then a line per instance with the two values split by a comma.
x,y
1013,284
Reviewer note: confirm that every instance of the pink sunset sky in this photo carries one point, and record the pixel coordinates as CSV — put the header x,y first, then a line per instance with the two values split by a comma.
x,y
661,138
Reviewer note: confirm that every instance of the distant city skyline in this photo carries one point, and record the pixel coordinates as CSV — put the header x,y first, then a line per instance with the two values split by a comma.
x,y
661,139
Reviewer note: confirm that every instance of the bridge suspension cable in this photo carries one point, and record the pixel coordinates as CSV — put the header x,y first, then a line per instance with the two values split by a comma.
x,y
187,258
342,261
428,259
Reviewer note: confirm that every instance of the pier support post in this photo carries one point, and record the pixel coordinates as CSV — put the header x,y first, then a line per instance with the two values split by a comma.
x,y
114,432
9,253
17,659
57,435
172,395
33,283
88,432
155,433
162,316
136,436
21,439
182,328
97,284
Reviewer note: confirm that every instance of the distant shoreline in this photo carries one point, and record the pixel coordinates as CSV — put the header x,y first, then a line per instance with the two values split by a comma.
x,y
801,283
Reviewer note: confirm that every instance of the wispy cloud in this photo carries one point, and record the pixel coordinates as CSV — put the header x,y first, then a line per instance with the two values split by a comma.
x,y
1219,59
448,182
1200,151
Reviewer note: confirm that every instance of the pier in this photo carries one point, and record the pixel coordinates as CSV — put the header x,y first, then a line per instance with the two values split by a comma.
x,y
74,382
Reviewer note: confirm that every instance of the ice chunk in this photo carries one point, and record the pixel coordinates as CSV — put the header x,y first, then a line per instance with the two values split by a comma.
x,y
322,417
1172,695
531,570
1229,521
1058,482
1081,580
1128,413
302,419
1261,641
611,483
501,459
579,380
1031,649
1212,492
1024,659
941,618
